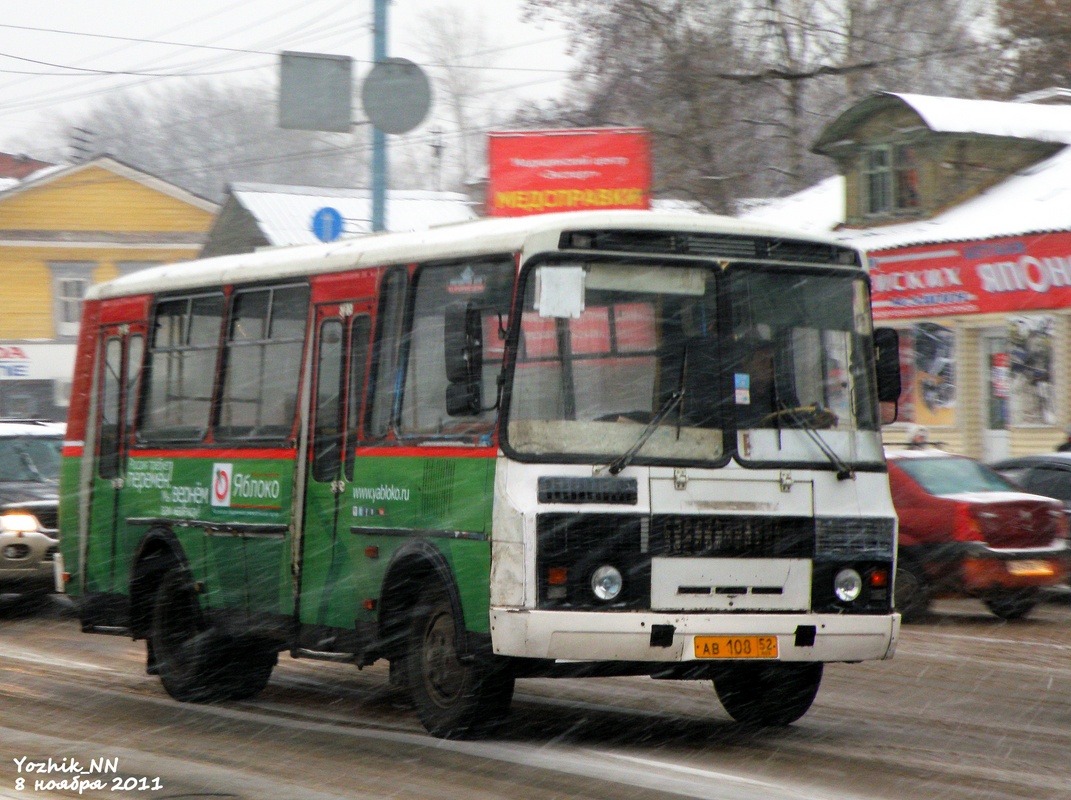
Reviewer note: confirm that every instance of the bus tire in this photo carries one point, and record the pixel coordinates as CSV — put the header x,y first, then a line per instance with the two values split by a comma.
x,y
180,642
911,593
772,693
455,697
246,669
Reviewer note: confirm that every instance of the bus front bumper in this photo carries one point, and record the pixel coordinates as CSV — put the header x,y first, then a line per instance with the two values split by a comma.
x,y
666,638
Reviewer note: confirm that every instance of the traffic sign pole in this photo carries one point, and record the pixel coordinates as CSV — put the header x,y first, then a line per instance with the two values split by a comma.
x,y
379,138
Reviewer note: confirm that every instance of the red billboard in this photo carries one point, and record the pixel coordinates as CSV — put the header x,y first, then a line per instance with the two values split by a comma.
x,y
535,172
1020,273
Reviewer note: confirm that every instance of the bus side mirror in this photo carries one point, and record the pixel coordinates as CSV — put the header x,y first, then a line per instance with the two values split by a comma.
x,y
887,361
463,350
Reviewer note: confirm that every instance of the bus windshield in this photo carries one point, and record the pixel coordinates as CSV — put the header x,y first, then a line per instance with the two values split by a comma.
x,y
607,348
801,352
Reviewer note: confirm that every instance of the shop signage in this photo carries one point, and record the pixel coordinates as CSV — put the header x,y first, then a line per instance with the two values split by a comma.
x,y
1025,273
535,172
36,362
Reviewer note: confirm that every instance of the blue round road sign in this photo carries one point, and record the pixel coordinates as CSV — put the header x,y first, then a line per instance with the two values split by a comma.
x,y
327,224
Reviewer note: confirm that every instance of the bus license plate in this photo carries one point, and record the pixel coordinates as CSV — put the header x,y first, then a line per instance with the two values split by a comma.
x,y
1030,568
735,647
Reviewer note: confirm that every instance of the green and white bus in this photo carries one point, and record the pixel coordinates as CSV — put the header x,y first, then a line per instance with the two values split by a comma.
x,y
605,443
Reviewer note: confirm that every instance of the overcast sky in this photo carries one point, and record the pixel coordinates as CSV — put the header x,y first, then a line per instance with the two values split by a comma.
x,y
58,55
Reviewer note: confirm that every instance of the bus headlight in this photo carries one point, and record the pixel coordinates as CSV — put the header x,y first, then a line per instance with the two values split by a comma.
x,y
848,585
606,583
18,522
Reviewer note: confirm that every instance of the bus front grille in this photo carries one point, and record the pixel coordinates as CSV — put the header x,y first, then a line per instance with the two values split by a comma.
x,y
737,536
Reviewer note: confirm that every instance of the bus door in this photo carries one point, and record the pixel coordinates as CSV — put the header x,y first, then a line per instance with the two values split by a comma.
x,y
119,368
327,594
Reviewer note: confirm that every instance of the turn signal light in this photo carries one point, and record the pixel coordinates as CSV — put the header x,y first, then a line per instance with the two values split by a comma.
x,y
557,576
878,578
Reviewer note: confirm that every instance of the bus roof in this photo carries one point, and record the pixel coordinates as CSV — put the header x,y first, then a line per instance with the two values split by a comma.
x,y
538,232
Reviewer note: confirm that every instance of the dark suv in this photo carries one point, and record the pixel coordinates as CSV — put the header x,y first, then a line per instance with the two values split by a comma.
x,y
29,499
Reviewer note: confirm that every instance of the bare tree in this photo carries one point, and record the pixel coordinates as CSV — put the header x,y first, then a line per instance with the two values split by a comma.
x,y
1035,35
734,91
461,58
202,136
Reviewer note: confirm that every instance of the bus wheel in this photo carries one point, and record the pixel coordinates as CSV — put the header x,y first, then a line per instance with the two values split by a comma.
x,y
766,694
246,668
182,646
455,698
911,595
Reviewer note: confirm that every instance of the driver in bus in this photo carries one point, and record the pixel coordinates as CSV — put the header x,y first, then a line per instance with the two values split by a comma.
x,y
754,378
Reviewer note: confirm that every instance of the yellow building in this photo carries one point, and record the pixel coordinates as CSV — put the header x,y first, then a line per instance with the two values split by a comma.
x,y
62,229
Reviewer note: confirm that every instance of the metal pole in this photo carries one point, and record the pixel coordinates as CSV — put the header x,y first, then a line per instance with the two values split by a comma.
x,y
379,139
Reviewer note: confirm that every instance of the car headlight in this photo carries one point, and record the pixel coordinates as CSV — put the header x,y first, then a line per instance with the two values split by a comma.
x,y
848,585
606,583
18,522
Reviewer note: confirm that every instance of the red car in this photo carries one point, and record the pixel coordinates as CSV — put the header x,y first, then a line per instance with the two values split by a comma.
x,y
965,531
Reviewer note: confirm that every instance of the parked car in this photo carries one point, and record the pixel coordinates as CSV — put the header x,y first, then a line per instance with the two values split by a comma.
x,y
29,503
966,531
1047,474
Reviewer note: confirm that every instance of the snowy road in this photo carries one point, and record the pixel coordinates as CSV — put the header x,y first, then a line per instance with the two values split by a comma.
x,y
971,707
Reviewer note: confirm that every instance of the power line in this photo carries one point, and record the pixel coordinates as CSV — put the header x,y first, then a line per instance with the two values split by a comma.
x,y
38,100
97,72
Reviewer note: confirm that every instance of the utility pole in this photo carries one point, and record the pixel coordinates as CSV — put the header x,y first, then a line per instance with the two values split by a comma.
x,y
379,138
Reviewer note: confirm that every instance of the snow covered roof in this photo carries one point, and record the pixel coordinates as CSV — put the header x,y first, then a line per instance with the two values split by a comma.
x,y
1040,122
818,209
1035,121
284,213
48,174
1036,199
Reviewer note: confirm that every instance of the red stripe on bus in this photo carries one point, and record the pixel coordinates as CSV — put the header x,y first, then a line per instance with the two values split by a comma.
x,y
74,451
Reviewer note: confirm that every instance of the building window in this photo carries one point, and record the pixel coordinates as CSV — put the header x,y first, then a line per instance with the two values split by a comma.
x,y
905,167
891,179
70,281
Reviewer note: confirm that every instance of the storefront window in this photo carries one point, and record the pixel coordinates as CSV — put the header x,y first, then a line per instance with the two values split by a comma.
x,y
1030,367
999,383
935,374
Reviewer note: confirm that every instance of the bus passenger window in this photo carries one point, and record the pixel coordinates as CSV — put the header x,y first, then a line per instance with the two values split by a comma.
x,y
360,330
327,431
108,449
182,367
381,383
484,291
263,363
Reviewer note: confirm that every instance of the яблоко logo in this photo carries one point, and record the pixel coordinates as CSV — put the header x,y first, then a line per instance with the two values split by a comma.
x,y
222,477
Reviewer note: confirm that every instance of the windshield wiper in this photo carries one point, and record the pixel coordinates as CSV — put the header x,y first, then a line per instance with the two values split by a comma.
x,y
625,458
817,412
